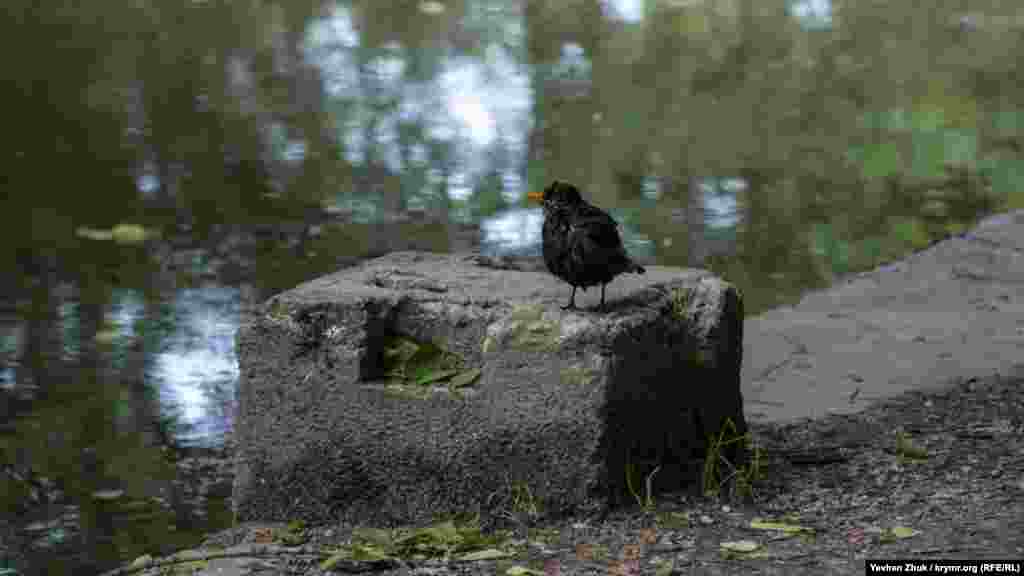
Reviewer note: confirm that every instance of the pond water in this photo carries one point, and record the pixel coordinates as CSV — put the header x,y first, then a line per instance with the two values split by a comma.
x,y
169,166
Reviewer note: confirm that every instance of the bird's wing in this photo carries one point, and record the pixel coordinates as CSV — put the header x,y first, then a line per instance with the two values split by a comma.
x,y
589,212
601,230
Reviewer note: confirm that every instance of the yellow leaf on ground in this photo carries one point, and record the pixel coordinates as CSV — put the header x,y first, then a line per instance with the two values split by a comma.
x,y
741,546
759,524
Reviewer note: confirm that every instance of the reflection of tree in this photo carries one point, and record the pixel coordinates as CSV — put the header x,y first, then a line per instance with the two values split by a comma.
x,y
395,112
488,192
95,425
391,37
411,136
773,261
442,158
833,118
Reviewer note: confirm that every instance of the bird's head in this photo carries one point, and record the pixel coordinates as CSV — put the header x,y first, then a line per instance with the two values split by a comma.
x,y
556,195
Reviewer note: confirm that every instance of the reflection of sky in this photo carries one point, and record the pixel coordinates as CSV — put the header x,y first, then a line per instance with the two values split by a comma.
x,y
467,91
12,340
720,201
473,101
200,354
628,10
813,13
513,230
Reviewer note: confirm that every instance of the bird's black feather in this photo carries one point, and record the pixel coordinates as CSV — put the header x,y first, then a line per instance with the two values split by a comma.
x,y
581,242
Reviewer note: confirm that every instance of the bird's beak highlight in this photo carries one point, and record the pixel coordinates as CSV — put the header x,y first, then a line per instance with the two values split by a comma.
x,y
535,196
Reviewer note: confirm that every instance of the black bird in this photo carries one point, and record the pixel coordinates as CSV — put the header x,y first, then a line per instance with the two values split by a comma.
x,y
581,242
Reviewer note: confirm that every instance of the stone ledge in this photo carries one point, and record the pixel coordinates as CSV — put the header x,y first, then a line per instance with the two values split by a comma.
x,y
563,404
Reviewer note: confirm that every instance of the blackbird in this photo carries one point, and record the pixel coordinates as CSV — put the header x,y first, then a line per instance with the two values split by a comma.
x,y
580,241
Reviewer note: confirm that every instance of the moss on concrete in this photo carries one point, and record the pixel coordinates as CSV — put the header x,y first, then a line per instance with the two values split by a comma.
x,y
526,329
278,311
577,375
681,298
529,331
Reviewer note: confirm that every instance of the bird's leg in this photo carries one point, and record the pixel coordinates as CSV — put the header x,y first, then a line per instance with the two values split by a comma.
x,y
601,305
572,301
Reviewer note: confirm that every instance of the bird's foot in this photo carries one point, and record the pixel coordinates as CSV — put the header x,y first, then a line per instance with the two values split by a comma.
x,y
572,301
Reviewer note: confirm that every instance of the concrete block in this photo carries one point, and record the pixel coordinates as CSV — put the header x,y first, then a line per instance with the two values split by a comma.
x,y
549,409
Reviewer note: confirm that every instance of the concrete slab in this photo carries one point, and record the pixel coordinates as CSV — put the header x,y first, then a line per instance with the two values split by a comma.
x,y
559,403
954,310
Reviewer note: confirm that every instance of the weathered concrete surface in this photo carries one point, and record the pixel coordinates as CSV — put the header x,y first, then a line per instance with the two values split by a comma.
x,y
563,400
954,310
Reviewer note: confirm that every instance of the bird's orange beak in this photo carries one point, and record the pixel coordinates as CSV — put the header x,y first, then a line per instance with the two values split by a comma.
x,y
535,196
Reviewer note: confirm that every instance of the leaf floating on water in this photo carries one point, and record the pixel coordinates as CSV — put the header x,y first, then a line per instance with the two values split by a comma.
x,y
93,233
121,234
129,234
431,7
107,494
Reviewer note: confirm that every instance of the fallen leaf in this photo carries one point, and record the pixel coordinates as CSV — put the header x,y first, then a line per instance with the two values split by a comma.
x,y
329,564
902,532
906,448
129,234
664,567
741,546
487,554
435,377
464,378
522,571
759,524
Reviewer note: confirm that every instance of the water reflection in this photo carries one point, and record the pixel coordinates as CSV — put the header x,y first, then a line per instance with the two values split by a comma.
x,y
198,371
479,101
513,233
